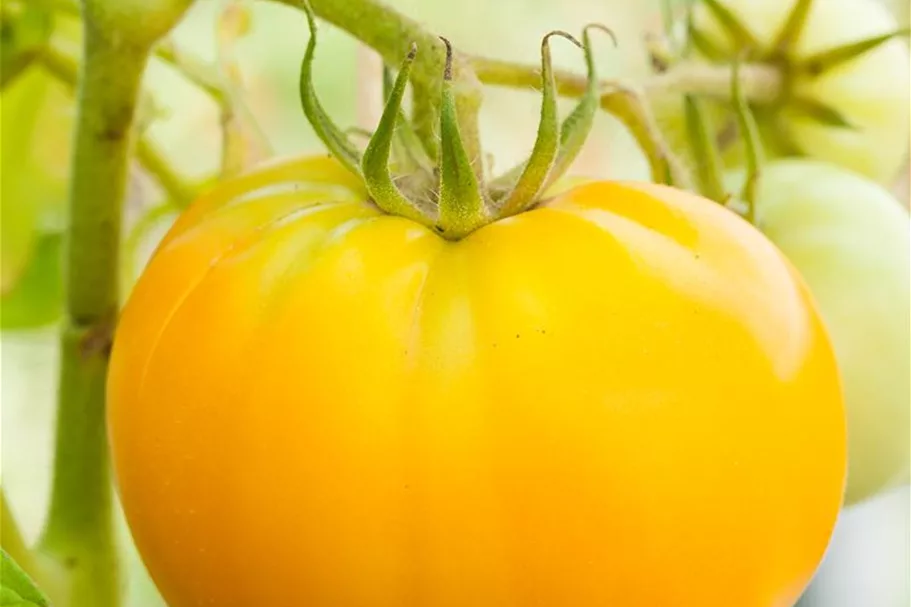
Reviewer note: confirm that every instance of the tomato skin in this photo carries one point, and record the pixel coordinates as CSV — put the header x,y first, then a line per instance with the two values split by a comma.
x,y
624,397
849,238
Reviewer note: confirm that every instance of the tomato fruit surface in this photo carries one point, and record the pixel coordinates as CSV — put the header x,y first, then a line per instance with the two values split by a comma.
x,y
850,240
623,397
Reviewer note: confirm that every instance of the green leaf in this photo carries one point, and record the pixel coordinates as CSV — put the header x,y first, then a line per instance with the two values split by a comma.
x,y
825,60
19,108
16,588
37,299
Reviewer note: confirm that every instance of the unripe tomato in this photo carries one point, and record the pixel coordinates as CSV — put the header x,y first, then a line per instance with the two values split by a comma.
x,y
623,397
871,92
849,238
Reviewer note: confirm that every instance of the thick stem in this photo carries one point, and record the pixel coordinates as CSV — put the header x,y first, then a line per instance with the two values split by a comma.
x,y
80,531
391,35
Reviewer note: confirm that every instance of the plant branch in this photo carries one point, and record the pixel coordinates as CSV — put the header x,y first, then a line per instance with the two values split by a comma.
x,y
80,534
80,531
761,83
391,35
629,103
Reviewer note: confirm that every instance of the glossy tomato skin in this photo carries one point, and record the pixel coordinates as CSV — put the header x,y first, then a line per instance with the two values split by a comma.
x,y
850,240
623,397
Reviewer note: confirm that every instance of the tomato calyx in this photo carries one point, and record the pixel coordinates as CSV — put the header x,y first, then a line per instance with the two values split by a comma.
x,y
738,40
449,194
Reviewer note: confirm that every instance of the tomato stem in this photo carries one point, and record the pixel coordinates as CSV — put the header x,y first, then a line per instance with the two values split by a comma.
x,y
391,35
79,533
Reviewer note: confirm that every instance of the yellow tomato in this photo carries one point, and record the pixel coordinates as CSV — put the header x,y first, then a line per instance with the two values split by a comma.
x,y
623,397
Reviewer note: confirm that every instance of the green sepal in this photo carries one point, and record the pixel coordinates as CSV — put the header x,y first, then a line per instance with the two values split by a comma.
x,y
407,149
709,168
375,163
749,131
742,37
793,27
332,137
462,207
819,112
577,126
826,60
17,589
538,167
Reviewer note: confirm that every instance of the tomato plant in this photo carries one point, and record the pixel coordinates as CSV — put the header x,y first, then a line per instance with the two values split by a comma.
x,y
392,376
849,238
845,92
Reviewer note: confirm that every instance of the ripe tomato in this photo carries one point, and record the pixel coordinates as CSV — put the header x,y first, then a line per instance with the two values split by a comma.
x,y
623,397
871,92
850,240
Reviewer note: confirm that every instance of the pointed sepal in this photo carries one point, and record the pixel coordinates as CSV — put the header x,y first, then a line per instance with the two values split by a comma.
x,y
793,27
819,112
826,60
375,163
331,135
577,126
462,207
536,170
705,149
752,143
740,34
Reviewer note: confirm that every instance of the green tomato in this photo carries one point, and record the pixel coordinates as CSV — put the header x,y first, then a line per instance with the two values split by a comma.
x,y
849,238
871,93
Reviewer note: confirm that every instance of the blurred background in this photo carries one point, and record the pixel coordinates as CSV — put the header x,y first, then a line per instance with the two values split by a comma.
x,y
868,563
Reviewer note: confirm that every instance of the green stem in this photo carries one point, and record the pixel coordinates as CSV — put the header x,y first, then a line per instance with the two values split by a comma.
x,y
391,34
761,83
80,532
